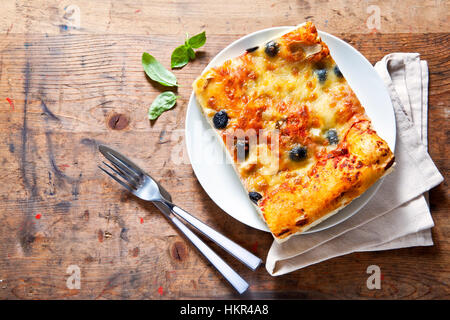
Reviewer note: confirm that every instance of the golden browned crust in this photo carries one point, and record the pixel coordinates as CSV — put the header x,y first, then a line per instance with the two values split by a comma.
x,y
333,182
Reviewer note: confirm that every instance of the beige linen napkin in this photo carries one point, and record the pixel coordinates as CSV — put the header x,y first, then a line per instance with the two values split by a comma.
x,y
398,215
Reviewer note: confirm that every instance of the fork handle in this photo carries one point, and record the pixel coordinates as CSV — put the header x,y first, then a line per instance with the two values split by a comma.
x,y
243,255
230,275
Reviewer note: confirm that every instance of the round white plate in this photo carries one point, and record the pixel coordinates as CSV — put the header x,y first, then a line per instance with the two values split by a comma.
x,y
207,155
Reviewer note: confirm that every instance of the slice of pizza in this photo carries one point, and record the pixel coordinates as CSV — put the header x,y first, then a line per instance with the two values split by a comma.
x,y
296,133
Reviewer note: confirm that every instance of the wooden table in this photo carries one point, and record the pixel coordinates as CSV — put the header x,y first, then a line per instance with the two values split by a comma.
x,y
73,75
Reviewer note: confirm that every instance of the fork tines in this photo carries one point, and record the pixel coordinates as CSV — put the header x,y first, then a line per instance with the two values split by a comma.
x,y
128,187
122,169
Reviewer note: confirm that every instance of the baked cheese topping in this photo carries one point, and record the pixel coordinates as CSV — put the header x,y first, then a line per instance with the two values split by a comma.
x,y
282,109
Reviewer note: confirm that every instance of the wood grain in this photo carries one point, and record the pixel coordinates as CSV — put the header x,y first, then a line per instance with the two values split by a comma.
x,y
73,90
227,17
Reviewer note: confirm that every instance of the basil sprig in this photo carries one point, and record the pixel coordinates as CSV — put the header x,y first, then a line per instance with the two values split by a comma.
x,y
182,54
163,102
157,72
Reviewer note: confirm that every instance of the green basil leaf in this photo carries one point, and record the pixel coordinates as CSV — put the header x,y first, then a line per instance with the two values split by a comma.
x,y
163,102
197,41
191,53
157,72
180,57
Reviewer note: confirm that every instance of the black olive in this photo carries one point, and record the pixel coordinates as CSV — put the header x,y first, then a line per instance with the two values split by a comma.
x,y
337,71
254,196
242,149
332,136
220,119
252,49
298,153
272,48
321,74
279,124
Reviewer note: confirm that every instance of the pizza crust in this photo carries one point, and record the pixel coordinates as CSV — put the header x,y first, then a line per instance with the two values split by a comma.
x,y
346,202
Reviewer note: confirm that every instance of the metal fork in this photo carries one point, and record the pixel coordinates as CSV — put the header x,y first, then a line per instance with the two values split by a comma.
x,y
143,186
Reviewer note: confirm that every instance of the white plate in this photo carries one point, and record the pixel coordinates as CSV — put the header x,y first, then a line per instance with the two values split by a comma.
x,y
207,155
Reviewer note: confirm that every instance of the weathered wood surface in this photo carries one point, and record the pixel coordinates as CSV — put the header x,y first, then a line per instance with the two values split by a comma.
x,y
74,88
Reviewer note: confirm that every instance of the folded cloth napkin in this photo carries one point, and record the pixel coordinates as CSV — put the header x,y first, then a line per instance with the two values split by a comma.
x,y
398,215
